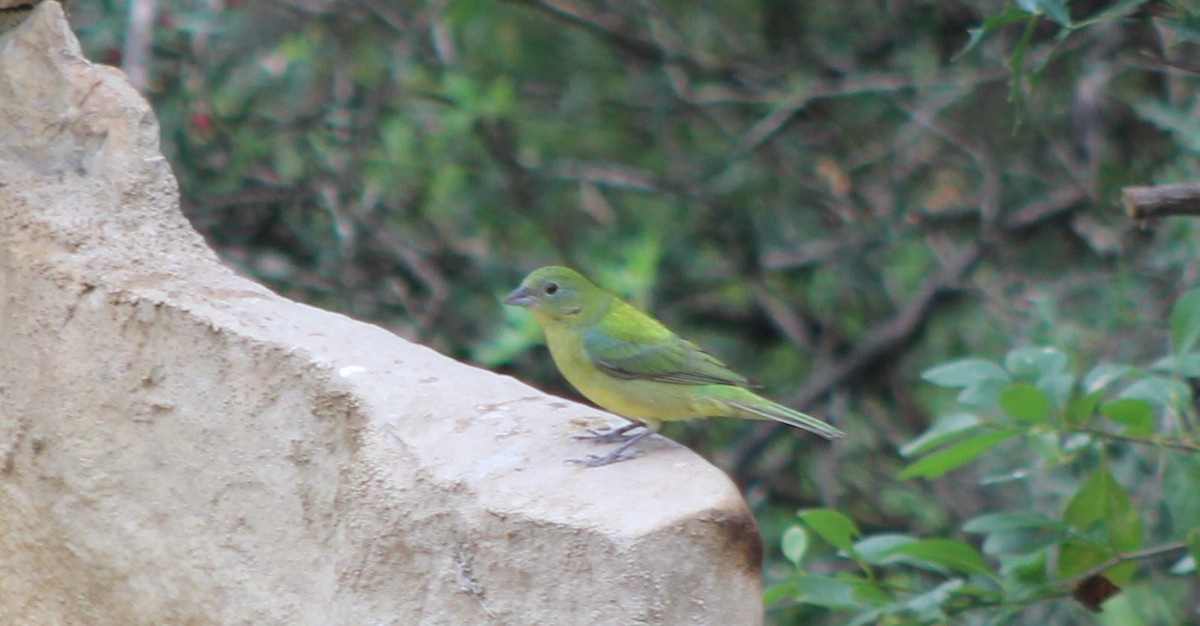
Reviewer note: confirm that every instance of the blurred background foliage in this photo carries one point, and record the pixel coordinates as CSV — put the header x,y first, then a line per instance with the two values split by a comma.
x,y
832,196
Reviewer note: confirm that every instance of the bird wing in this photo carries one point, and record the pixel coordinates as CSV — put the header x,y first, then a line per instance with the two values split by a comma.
x,y
627,343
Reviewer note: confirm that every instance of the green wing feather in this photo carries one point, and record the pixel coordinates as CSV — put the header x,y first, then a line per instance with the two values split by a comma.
x,y
627,343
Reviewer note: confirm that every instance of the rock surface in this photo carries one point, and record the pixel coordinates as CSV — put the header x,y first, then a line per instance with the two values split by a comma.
x,y
178,445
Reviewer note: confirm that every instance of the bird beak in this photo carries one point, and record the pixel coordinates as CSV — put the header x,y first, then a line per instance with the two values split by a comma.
x,y
521,296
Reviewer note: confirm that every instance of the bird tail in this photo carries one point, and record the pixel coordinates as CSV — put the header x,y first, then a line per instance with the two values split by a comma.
x,y
756,407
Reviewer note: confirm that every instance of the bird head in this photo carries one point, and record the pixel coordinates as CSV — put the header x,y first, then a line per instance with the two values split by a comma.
x,y
560,294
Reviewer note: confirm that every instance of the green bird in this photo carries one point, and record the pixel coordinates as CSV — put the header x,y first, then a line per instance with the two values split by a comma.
x,y
627,362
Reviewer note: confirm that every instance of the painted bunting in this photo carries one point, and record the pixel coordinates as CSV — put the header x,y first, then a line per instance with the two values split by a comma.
x,y
627,362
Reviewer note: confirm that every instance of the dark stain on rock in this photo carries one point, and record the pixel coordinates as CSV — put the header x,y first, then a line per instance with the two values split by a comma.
x,y
740,535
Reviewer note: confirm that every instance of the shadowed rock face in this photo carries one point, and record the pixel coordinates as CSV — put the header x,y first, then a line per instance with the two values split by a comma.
x,y
13,12
178,445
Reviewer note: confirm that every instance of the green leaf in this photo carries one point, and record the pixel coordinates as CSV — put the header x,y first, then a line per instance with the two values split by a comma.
x,y
1055,10
834,527
989,594
1054,449
1100,504
1046,367
984,394
1057,388
877,548
826,592
1016,533
1081,408
996,522
1189,366
501,99
840,593
866,592
1181,493
1025,541
1134,413
1100,499
1103,374
1016,63
1186,366
942,431
1011,15
1012,475
794,544
1029,567
1170,394
1035,363
1185,323
1113,11
779,592
927,606
950,554
965,373
938,463
1024,402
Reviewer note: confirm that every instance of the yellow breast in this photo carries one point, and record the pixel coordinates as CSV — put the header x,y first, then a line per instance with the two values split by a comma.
x,y
635,399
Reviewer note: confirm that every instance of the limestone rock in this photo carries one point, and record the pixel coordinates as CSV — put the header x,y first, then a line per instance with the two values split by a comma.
x,y
179,445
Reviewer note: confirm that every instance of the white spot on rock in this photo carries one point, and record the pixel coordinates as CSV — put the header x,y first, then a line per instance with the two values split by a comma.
x,y
351,370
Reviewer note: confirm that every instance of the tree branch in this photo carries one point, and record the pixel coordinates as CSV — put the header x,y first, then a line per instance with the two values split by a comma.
x,y
1144,553
1162,200
610,27
885,338
1177,444
891,334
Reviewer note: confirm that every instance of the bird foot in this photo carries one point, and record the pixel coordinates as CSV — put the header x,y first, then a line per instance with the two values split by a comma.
x,y
604,436
600,460
620,453
615,435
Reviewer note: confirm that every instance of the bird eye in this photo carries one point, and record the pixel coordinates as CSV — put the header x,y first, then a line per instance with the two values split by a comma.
x,y
551,288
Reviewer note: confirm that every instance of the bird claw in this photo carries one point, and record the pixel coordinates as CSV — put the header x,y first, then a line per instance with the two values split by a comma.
x,y
620,453
600,460
614,435
604,436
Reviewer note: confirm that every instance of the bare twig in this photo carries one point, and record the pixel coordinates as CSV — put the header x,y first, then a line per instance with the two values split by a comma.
x,y
1057,203
791,104
813,253
424,308
390,15
989,171
1162,64
884,339
616,175
782,315
1145,553
887,336
891,334
610,27
1161,201
1177,444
